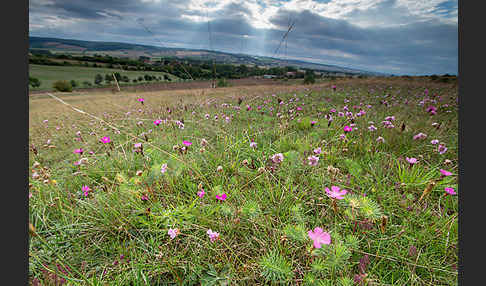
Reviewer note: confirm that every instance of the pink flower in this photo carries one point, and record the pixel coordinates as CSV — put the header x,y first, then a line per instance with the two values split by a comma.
x,y
317,151
163,168
157,122
342,136
441,149
435,141
106,139
78,151
319,237
253,144
213,236
411,160
144,198
313,160
201,193
30,195
445,173
141,100
85,190
450,191
390,118
336,193
313,123
372,128
348,128
173,232
187,143
221,197
380,139
420,136
277,158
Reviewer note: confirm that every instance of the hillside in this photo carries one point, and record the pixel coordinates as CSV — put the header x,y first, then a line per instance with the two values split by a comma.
x,y
136,50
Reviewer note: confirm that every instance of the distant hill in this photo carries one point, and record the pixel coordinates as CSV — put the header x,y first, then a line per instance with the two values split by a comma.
x,y
135,50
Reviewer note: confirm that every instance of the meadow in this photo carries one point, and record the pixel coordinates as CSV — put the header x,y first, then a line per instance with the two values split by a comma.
x,y
50,74
353,182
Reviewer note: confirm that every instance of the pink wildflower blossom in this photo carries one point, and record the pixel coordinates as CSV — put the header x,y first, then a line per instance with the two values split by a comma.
x,y
319,237
450,191
336,192
441,149
445,173
213,236
106,139
277,158
173,232
420,136
412,160
313,160
163,168
201,193
221,197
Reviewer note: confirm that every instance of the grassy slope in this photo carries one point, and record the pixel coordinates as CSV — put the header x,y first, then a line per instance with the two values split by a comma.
x,y
263,223
50,74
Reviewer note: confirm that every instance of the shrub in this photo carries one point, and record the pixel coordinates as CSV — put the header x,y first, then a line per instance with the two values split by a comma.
x,y
74,83
34,82
87,84
63,85
98,79
309,78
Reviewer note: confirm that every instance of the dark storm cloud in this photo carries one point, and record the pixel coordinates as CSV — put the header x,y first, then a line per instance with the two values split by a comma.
x,y
408,47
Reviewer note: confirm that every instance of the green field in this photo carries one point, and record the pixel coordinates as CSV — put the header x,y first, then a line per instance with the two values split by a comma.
x,y
262,185
50,74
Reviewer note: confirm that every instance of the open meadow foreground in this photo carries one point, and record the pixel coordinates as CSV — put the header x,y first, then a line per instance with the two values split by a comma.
x,y
351,182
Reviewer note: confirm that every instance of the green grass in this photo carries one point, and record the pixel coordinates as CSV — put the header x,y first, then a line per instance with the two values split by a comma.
x,y
50,74
114,237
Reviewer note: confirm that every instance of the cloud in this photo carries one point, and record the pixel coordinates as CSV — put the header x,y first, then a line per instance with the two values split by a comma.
x,y
395,36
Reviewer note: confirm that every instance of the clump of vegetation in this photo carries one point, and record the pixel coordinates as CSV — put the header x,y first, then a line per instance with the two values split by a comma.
x,y
63,85
34,82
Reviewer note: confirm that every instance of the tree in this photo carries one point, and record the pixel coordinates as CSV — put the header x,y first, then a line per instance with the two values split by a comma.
x,y
34,82
166,77
63,85
125,78
108,78
118,76
74,83
87,84
140,78
98,79
309,77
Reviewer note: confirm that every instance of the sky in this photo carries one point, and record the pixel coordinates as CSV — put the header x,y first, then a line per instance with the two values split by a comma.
x,y
401,37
